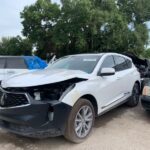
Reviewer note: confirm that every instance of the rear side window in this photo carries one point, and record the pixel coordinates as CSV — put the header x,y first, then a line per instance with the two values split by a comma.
x,y
15,63
2,63
108,62
121,63
129,63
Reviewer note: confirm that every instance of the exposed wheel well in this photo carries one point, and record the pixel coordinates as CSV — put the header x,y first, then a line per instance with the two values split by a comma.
x,y
93,101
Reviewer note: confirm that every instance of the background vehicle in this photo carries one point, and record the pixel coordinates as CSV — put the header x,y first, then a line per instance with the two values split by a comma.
x,y
143,65
145,98
65,98
10,65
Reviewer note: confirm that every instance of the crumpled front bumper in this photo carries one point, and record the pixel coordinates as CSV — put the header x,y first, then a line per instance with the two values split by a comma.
x,y
39,119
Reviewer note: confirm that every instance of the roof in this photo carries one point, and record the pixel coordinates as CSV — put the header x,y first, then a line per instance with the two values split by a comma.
x,y
97,54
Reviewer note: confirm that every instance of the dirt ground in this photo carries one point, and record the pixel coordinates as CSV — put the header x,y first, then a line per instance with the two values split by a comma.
x,y
121,129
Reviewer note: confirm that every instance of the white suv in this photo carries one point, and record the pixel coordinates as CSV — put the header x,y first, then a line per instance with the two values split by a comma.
x,y
65,98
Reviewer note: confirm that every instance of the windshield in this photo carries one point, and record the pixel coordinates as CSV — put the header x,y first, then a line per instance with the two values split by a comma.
x,y
83,63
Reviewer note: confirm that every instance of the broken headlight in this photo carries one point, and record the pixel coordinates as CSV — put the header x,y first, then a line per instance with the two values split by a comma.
x,y
54,91
49,92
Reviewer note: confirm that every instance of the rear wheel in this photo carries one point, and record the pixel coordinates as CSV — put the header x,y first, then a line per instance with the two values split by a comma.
x,y
80,121
134,99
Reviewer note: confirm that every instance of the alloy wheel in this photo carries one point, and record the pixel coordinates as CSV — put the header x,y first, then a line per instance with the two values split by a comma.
x,y
83,121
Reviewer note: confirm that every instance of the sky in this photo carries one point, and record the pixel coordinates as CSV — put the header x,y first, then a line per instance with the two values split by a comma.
x,y
10,22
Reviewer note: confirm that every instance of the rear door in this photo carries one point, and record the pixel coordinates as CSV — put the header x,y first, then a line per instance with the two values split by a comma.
x,y
15,65
124,72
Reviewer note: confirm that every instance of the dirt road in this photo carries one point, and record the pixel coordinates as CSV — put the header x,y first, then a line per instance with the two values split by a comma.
x,y
121,129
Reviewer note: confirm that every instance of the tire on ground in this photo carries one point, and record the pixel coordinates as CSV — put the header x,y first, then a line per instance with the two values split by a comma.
x,y
134,100
70,133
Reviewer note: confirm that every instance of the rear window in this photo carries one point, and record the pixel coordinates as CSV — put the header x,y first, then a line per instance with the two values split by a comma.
x,y
15,63
121,63
2,63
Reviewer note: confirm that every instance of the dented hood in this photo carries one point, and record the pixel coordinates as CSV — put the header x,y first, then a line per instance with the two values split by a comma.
x,y
42,77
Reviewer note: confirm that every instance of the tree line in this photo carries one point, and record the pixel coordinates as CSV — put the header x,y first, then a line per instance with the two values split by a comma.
x,y
81,26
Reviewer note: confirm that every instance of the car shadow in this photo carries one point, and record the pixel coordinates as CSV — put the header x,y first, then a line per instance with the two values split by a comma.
x,y
16,142
99,122
104,119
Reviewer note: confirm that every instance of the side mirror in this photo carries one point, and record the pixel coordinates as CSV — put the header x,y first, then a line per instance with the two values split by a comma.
x,y
107,72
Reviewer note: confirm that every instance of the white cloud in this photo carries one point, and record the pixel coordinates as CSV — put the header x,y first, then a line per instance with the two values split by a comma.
x,y
10,22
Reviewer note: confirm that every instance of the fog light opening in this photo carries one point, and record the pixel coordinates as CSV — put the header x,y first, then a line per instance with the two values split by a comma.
x,y
51,116
51,113
37,96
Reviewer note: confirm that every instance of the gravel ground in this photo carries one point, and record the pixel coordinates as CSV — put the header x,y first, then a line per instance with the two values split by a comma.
x,y
120,129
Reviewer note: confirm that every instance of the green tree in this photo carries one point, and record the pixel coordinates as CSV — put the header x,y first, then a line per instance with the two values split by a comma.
x,y
79,26
15,46
146,53
136,13
39,21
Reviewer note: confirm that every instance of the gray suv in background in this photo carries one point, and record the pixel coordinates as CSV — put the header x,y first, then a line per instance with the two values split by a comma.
x,y
10,65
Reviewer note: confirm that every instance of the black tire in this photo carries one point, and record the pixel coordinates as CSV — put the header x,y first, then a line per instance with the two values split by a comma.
x,y
70,133
134,99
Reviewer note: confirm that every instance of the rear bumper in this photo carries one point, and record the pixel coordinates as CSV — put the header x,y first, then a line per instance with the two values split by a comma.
x,y
39,119
145,101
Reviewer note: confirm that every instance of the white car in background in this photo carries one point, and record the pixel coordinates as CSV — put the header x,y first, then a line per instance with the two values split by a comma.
x,y
10,65
65,98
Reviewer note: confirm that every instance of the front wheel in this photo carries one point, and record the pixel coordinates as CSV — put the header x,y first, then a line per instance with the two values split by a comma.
x,y
134,99
80,121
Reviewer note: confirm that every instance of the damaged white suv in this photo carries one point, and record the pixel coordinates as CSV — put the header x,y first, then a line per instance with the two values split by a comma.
x,y
65,98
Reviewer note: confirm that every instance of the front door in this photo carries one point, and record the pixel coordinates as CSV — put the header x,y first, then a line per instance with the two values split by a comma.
x,y
109,87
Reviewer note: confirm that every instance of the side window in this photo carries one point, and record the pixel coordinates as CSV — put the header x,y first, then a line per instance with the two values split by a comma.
x,y
2,63
15,63
129,63
121,63
108,62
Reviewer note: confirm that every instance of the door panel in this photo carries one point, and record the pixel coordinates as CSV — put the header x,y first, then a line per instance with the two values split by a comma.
x,y
109,91
124,80
124,73
109,88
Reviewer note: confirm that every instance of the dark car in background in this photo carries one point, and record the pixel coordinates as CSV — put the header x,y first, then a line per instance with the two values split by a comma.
x,y
143,65
145,98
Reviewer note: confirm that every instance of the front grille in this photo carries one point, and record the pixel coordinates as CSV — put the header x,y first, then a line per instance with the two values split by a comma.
x,y
12,99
